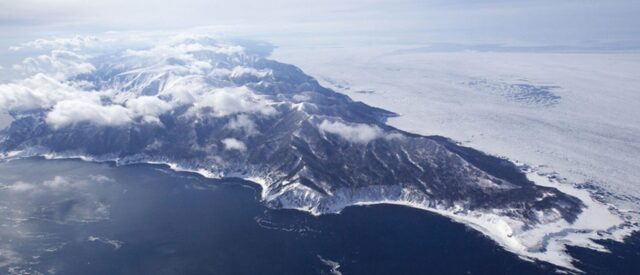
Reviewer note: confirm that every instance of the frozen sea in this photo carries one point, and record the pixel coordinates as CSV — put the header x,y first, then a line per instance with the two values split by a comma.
x,y
574,114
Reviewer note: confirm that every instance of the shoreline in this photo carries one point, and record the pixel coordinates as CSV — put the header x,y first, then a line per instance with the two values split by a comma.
x,y
552,237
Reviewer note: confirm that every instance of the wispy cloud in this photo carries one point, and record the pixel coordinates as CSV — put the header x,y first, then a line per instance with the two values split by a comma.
x,y
545,22
176,74
234,144
76,42
357,133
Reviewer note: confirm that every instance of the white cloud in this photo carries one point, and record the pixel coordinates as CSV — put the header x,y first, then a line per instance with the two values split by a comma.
x,y
57,183
327,21
69,112
234,144
72,105
240,71
8,256
75,43
243,123
393,136
232,100
39,91
180,46
115,243
357,133
148,107
58,64
101,178
178,64
20,186
183,51
60,183
183,90
27,198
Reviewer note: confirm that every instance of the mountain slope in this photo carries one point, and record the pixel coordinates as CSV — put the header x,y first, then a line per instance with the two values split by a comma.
x,y
222,110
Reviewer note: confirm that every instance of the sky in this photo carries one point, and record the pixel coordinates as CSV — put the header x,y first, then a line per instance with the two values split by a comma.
x,y
516,22
45,80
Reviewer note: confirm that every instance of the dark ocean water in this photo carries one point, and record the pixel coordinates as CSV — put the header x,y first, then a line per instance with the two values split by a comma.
x,y
74,217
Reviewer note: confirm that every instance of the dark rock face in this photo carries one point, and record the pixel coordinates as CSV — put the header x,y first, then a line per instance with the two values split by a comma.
x,y
305,162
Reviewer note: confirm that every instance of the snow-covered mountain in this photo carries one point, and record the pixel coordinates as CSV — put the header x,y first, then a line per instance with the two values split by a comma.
x,y
226,110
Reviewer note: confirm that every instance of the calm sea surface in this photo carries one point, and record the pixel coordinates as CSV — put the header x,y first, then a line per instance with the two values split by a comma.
x,y
74,217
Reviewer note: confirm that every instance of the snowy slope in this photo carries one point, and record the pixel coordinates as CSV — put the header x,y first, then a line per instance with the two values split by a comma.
x,y
224,110
574,114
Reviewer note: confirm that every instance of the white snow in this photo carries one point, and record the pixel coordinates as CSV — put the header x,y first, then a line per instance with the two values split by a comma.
x,y
591,134
335,266
596,221
586,131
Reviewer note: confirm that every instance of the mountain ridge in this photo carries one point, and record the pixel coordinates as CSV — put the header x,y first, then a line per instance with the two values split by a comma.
x,y
213,108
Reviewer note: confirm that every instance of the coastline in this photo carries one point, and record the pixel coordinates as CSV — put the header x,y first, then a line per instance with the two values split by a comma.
x,y
544,242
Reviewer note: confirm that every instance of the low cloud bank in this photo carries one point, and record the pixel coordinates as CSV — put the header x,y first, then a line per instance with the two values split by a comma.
x,y
357,133
138,87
